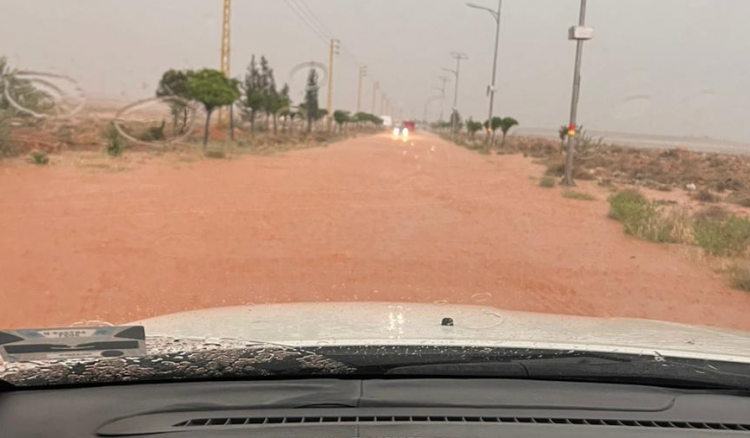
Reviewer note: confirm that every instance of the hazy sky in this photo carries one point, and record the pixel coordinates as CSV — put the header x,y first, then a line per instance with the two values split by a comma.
x,y
656,66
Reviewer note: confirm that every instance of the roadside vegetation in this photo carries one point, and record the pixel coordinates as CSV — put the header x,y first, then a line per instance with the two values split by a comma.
x,y
258,117
719,233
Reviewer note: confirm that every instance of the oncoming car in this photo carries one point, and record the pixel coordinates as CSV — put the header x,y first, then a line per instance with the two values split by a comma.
x,y
403,129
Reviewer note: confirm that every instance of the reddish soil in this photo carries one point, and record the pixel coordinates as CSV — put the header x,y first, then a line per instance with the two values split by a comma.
x,y
369,219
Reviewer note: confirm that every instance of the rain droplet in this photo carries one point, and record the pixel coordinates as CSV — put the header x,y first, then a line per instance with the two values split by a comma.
x,y
481,297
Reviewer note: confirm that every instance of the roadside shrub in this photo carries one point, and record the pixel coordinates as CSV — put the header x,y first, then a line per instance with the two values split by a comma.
x,y
640,217
216,154
739,277
39,158
154,133
722,236
547,182
572,194
115,145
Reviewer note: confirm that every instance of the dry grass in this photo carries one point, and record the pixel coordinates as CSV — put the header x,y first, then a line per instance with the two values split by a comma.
x,y
572,194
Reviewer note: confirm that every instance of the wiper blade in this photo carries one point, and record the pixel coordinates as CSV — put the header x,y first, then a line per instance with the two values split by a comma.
x,y
656,371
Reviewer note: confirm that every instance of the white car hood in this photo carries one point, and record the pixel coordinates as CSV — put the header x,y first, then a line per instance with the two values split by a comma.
x,y
318,324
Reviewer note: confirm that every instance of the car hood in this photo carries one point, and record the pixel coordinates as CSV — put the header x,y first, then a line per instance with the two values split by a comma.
x,y
318,324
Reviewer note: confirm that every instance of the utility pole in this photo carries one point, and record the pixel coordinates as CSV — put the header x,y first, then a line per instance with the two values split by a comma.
x,y
491,90
443,81
579,34
457,72
334,50
383,98
225,47
362,75
375,87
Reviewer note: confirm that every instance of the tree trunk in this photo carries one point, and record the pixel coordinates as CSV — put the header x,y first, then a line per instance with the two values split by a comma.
x,y
275,123
184,120
309,125
205,132
502,145
252,123
562,146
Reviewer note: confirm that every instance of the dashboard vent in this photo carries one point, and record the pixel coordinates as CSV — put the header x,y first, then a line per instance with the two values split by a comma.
x,y
237,421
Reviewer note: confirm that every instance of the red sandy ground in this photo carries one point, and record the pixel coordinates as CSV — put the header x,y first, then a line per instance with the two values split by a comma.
x,y
369,219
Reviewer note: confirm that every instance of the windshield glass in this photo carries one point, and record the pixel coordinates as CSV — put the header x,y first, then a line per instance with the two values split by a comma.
x,y
558,176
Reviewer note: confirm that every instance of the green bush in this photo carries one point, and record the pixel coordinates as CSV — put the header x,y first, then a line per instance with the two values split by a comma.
x,y
115,145
547,182
722,235
39,158
640,217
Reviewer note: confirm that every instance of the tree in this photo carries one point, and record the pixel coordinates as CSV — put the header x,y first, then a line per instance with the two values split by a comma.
x,y
252,88
174,84
473,127
23,92
311,105
455,121
279,102
213,90
267,90
341,117
562,132
505,126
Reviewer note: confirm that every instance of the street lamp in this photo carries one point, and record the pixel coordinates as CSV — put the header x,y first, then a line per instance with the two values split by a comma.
x,y
579,34
496,15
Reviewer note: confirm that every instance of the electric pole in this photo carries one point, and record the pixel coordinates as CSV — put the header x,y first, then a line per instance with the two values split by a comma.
x,y
579,34
226,49
375,87
457,72
443,81
334,50
362,75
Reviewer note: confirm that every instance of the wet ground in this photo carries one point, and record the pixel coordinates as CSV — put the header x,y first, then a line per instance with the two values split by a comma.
x,y
368,219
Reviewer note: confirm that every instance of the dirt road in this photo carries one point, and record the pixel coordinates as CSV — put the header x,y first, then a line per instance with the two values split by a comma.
x,y
366,219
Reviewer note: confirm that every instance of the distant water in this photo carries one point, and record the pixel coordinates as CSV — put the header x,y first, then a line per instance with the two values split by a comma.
x,y
654,141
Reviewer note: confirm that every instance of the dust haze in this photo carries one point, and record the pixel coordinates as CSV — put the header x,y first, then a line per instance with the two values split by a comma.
x,y
672,67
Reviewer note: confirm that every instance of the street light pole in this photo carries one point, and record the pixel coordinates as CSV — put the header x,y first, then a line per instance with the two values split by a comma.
x,y
580,34
496,16
362,75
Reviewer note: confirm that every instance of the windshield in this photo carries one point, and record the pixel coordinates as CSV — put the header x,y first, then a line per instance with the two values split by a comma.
x,y
552,176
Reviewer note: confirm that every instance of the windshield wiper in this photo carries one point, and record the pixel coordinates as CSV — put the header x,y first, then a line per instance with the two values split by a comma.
x,y
654,371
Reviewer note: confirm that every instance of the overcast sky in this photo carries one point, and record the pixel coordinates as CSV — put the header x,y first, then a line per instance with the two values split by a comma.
x,y
677,67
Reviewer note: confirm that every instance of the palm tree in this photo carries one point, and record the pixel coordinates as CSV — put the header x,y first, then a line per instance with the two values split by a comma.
x,y
505,125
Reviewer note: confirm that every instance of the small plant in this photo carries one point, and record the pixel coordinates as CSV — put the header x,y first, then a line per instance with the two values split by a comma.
x,y
640,217
115,145
216,154
722,236
39,158
547,182
572,194
739,277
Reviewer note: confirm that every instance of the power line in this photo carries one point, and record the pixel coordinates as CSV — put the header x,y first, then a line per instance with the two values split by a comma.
x,y
303,17
315,19
314,23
